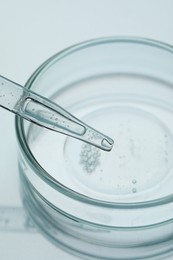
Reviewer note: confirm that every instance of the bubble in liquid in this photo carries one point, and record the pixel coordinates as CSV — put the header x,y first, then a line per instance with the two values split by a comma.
x,y
89,158
134,190
134,181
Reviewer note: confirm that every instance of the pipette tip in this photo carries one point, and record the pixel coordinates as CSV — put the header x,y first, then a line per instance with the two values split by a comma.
x,y
107,144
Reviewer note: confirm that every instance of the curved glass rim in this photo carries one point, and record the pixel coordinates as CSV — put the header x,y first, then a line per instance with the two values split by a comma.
x,y
44,175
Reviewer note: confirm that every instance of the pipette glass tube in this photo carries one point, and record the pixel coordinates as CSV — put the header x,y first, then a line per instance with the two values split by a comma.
x,y
48,114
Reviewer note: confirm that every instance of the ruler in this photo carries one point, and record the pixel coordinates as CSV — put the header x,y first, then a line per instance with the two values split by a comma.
x,y
15,219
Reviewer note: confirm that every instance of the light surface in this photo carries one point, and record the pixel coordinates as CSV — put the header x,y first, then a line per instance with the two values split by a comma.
x,y
30,32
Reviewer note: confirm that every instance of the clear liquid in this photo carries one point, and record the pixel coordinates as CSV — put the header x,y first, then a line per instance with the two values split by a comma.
x,y
140,166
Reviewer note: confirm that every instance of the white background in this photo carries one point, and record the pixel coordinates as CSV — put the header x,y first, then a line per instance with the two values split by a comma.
x,y
30,32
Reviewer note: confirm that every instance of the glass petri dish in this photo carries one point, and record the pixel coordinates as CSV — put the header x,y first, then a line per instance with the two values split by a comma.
x,y
96,204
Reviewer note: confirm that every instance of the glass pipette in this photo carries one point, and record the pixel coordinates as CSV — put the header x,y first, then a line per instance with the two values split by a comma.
x,y
48,114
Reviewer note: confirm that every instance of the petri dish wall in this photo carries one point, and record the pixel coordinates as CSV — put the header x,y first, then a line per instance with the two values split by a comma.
x,y
96,204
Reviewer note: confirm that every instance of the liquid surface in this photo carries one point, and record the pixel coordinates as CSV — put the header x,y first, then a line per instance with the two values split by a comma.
x,y
140,159
138,114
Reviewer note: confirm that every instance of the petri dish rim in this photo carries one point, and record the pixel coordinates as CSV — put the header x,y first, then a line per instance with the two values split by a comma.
x,y
44,175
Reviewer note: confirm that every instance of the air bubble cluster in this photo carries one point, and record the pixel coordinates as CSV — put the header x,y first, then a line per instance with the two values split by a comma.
x,y
89,158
